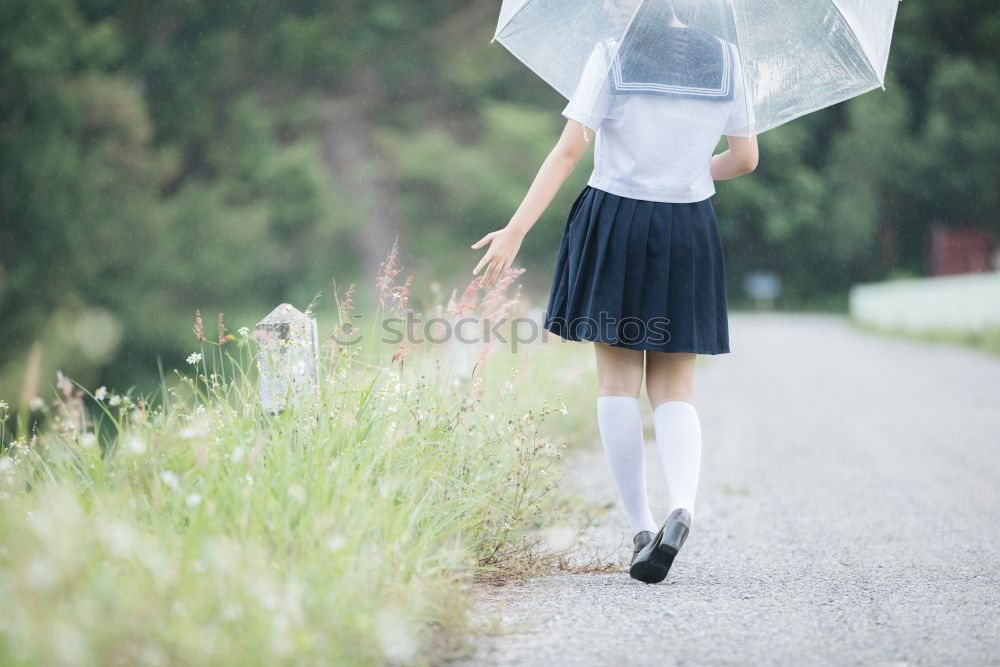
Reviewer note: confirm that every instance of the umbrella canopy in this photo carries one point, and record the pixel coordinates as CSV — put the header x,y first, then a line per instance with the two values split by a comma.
x,y
791,57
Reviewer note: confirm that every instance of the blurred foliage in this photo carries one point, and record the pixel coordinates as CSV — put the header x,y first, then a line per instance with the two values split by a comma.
x,y
155,158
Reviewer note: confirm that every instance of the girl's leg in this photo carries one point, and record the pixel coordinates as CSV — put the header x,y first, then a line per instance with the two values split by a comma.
x,y
670,387
619,378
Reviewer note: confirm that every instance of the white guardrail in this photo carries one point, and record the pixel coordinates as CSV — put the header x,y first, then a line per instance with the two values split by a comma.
x,y
969,302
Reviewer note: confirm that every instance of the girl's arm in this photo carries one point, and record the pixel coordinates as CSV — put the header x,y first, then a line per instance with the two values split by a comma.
x,y
505,243
740,158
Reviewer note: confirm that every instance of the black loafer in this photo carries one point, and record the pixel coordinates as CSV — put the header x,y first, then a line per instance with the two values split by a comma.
x,y
653,562
639,542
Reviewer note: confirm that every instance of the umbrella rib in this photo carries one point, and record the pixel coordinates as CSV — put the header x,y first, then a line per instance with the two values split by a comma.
x,y
628,26
861,47
509,19
747,93
885,59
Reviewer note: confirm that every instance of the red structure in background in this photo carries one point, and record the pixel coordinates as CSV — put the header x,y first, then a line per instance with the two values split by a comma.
x,y
955,250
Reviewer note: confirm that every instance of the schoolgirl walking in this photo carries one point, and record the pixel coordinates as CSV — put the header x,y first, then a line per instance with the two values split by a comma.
x,y
640,273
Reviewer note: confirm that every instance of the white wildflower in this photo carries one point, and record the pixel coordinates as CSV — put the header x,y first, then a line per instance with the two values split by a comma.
x,y
135,444
171,479
88,440
194,358
231,611
101,392
200,410
36,404
115,400
118,537
396,636
297,493
244,331
192,500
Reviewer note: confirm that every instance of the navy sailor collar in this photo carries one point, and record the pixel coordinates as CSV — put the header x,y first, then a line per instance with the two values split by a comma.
x,y
691,63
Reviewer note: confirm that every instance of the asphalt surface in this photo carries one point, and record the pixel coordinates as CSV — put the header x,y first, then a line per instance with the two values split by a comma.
x,y
848,513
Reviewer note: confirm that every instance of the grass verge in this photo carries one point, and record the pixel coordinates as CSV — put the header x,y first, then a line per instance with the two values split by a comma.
x,y
987,340
189,528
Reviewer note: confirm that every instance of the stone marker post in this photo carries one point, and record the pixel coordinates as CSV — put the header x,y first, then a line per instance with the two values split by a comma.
x,y
287,357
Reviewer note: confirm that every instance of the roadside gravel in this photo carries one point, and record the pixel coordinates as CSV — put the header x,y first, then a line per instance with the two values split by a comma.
x,y
849,513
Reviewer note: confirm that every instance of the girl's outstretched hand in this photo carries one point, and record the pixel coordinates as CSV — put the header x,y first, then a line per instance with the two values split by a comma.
x,y
504,244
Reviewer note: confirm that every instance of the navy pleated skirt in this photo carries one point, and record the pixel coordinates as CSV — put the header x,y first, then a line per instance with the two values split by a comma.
x,y
642,275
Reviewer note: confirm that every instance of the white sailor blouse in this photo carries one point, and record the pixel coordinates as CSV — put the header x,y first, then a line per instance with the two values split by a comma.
x,y
658,114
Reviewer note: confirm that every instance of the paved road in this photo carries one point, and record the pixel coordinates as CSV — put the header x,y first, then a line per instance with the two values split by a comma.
x,y
849,513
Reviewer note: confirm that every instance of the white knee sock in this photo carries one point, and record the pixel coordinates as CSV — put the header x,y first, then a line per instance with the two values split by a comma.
x,y
678,437
621,433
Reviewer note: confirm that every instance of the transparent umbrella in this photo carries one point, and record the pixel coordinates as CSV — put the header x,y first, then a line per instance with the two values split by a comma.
x,y
790,57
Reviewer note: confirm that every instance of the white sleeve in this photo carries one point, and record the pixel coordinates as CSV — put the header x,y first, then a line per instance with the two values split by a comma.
x,y
741,114
592,97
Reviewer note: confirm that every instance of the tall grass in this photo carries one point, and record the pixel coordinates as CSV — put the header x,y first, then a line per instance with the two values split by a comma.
x,y
189,528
